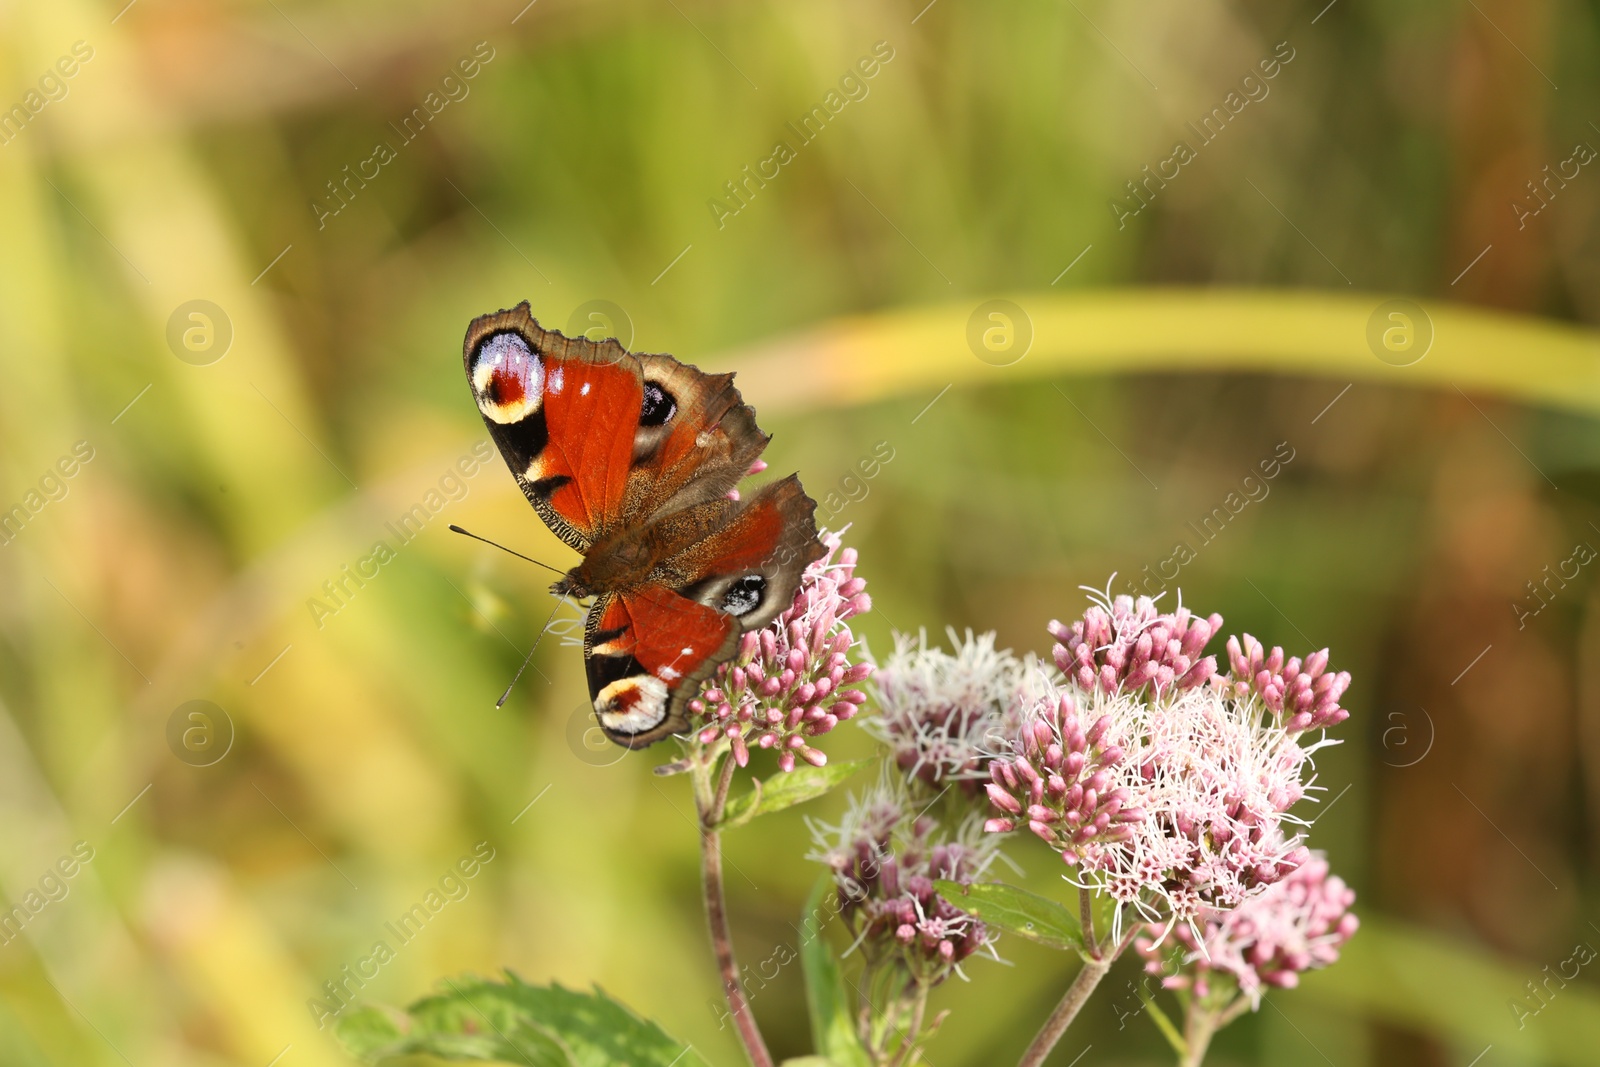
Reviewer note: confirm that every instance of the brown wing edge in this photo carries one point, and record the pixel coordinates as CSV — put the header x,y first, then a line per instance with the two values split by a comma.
x,y
711,474
558,344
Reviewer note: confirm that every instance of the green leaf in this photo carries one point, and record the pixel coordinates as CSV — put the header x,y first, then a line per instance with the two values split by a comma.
x,y
367,1030
513,1022
808,1061
1017,911
781,791
452,1030
833,1027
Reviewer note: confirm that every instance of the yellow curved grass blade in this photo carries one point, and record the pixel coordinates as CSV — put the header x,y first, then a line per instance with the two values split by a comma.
x,y
1116,331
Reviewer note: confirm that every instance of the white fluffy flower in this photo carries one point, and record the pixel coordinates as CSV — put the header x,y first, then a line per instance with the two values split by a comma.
x,y
940,713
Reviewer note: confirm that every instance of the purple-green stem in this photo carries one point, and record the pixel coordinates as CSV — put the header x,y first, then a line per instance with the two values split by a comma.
x,y
919,1009
1197,1031
1078,993
710,802
1202,1024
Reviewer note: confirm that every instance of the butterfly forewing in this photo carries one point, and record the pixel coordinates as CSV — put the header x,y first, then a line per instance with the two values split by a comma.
x,y
562,414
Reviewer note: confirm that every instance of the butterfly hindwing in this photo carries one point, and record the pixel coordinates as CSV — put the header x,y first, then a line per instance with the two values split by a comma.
x,y
750,566
646,652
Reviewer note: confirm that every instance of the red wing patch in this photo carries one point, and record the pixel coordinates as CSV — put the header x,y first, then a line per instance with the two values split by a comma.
x,y
751,540
647,651
591,411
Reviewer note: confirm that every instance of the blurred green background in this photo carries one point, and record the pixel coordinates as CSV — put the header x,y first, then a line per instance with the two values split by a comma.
x,y
229,152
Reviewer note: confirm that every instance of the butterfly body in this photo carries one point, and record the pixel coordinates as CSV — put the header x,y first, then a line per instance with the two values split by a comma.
x,y
629,557
630,459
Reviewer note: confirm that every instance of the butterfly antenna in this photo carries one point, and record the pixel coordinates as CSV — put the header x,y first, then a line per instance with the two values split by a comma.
x,y
529,657
503,548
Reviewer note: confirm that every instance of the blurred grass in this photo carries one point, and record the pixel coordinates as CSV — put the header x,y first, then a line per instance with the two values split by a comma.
x,y
184,159
1154,330
1417,979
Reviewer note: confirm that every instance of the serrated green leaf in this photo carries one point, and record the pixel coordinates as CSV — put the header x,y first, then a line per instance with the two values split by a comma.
x,y
513,1022
786,790
368,1030
1017,911
450,1029
833,1028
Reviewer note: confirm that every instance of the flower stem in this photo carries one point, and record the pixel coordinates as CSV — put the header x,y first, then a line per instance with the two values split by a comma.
x,y
1205,1016
881,984
1086,920
1197,1032
1233,1011
720,801
919,1010
1073,1000
709,802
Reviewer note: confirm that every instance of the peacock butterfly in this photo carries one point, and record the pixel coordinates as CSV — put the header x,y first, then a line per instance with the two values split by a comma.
x,y
631,460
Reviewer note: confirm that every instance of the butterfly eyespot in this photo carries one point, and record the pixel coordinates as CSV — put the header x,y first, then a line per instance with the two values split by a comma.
x,y
744,595
507,377
658,406
632,705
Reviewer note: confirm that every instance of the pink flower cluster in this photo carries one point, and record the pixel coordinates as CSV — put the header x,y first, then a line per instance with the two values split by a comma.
x,y
1295,926
1304,694
1182,802
1063,781
1158,779
1123,645
885,860
792,680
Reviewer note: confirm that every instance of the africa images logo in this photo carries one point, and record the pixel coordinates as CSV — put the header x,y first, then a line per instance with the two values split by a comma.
x,y
454,886
342,191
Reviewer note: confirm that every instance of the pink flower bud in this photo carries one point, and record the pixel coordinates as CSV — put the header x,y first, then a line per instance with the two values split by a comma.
x,y
1003,800
1098,730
